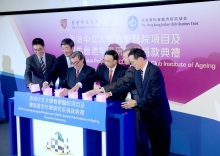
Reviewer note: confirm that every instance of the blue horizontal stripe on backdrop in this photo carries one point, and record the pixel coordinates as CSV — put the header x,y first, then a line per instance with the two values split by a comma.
x,y
11,75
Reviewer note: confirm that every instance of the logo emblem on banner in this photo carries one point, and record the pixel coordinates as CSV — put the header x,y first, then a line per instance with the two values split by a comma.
x,y
63,24
132,23
58,144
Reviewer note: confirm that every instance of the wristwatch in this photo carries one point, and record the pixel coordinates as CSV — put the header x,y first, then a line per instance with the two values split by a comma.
x,y
135,104
100,90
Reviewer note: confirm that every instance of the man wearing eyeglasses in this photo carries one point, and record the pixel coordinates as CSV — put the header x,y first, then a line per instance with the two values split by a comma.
x,y
77,73
142,147
38,64
153,102
63,62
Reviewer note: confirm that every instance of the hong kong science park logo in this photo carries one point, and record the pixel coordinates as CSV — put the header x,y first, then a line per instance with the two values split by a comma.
x,y
132,23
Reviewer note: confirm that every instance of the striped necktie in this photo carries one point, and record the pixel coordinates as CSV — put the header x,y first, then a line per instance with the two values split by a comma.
x,y
142,76
43,66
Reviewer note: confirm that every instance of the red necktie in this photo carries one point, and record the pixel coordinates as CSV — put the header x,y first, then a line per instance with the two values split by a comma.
x,y
110,75
77,74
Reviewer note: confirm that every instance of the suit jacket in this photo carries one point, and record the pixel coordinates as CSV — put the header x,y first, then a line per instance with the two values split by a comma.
x,y
33,71
58,70
129,74
70,80
153,99
102,74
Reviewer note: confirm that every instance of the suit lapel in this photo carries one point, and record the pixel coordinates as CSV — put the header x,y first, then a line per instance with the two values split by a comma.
x,y
116,73
73,76
106,74
64,62
48,60
81,74
36,60
138,81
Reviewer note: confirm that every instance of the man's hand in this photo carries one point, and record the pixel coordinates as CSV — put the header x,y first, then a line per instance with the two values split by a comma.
x,y
64,92
51,83
45,85
129,104
108,94
93,92
29,85
75,88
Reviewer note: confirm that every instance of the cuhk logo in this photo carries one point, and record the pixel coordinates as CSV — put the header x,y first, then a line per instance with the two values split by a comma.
x,y
63,24
132,23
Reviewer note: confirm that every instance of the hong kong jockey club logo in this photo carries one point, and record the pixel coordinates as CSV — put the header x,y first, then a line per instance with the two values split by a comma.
x,y
132,23
63,24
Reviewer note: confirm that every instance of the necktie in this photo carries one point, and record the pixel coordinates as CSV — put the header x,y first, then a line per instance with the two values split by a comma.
x,y
110,75
42,64
142,76
77,74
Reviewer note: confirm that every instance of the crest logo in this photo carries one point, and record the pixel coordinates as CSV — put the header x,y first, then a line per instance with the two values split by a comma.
x,y
132,23
63,24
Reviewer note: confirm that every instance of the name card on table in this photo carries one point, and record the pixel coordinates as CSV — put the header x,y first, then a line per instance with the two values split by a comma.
x,y
47,91
57,92
73,95
35,88
85,97
101,97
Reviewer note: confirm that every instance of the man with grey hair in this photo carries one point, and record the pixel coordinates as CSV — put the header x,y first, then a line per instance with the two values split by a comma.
x,y
142,147
77,73
61,64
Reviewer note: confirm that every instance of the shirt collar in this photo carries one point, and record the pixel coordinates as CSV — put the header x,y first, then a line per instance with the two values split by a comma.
x,y
68,57
80,68
41,56
113,67
145,67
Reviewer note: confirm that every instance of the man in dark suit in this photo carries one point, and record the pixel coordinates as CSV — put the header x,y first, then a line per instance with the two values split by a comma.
x,y
38,64
106,73
153,102
77,73
142,147
63,62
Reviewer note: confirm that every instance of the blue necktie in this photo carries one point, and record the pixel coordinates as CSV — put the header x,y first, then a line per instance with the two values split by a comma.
x,y
142,78
42,64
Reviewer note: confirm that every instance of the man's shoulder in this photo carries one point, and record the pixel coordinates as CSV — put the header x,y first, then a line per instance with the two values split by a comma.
x,y
70,69
102,67
121,67
61,58
131,69
153,68
50,55
88,67
32,56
